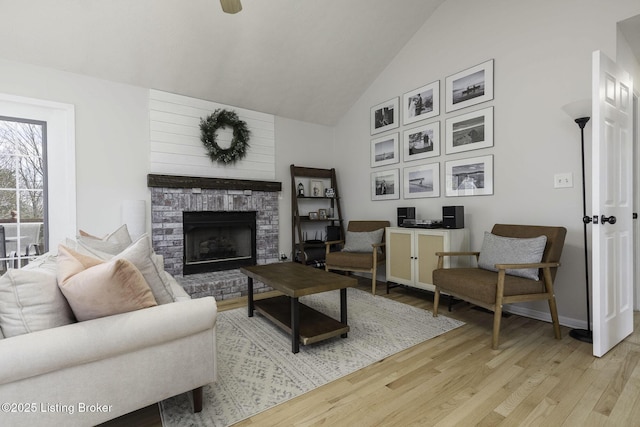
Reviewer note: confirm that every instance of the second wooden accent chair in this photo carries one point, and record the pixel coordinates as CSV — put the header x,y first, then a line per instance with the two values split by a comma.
x,y
504,275
361,250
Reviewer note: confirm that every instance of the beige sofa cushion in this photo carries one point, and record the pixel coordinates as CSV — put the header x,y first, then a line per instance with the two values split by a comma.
x,y
30,301
95,288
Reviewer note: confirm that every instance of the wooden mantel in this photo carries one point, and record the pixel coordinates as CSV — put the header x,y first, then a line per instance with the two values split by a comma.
x,y
173,181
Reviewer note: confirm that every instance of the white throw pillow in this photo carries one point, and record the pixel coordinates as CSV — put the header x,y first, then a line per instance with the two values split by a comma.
x,y
361,241
31,301
512,250
113,243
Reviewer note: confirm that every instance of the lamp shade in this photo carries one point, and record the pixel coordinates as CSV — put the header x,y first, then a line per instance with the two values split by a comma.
x,y
134,214
578,109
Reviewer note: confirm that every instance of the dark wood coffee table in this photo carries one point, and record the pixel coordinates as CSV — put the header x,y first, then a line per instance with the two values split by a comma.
x,y
295,280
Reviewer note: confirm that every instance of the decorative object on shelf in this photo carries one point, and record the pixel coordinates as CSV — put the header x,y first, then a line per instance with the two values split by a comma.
x,y
239,143
469,131
322,214
422,181
469,87
422,142
580,111
317,189
384,150
313,215
329,192
385,185
421,103
300,189
469,177
385,116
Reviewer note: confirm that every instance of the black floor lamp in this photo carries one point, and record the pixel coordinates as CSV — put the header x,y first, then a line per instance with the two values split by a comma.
x,y
584,335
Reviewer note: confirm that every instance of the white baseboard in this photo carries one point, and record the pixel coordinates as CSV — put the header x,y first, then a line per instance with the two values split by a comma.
x,y
545,316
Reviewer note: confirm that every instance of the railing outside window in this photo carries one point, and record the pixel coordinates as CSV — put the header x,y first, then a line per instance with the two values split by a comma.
x,y
22,196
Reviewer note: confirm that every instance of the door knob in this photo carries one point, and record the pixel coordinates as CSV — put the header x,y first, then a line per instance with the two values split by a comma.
x,y
611,219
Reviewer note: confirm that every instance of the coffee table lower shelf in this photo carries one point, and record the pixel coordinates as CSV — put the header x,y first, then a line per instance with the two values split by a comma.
x,y
314,326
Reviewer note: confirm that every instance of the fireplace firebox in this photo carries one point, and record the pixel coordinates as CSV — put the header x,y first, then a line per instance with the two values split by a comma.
x,y
218,240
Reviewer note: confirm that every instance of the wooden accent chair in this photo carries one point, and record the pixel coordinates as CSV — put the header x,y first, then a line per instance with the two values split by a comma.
x,y
362,249
492,289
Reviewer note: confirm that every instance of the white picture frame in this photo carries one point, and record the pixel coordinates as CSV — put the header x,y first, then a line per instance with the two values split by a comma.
x,y
385,185
385,116
470,131
385,150
421,142
422,181
469,177
469,87
421,103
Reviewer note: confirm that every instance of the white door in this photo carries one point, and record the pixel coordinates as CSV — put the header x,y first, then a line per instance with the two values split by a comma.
x,y
612,203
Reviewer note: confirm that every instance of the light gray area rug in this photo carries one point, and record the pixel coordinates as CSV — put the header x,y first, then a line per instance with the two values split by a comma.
x,y
256,369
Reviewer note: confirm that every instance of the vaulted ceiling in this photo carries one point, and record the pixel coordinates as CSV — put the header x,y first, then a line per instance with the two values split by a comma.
x,y
308,60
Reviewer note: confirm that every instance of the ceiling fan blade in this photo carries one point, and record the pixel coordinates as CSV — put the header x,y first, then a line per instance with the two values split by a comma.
x,y
231,6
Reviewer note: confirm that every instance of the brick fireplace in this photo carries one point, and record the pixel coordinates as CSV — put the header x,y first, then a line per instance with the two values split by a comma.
x,y
172,196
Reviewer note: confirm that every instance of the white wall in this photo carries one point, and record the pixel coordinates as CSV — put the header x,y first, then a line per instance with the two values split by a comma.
x,y
112,137
542,53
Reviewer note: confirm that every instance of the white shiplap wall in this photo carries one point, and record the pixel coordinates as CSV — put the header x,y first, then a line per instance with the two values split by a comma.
x,y
176,148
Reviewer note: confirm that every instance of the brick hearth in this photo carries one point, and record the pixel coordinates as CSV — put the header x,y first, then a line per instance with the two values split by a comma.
x,y
170,198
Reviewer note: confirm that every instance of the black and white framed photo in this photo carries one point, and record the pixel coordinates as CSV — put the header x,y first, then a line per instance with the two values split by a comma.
x,y
469,131
385,150
385,185
469,87
421,142
385,116
421,103
469,177
422,181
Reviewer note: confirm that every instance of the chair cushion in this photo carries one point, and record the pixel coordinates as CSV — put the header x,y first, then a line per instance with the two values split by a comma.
x,y
358,260
512,250
361,241
481,284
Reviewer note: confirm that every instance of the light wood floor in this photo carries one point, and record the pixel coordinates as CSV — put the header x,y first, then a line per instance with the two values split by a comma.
x,y
458,380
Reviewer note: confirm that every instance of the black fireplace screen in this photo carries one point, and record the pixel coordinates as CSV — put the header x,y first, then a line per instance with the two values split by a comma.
x,y
216,241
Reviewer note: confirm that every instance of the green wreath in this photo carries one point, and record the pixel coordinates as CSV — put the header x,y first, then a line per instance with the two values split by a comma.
x,y
239,143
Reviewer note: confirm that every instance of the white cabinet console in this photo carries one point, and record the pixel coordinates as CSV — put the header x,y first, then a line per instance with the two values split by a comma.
x,y
411,254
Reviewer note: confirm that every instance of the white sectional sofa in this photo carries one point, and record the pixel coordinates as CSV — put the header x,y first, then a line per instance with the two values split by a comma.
x,y
86,372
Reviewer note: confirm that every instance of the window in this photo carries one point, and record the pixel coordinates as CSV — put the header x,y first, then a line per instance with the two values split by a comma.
x,y
23,197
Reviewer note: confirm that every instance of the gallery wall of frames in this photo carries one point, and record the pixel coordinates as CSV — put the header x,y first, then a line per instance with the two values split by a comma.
x,y
407,158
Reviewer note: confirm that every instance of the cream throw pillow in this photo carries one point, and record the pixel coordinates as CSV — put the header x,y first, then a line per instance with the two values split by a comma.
x,y
113,243
95,288
30,301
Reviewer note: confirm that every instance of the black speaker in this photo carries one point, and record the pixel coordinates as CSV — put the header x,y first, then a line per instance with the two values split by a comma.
x,y
453,216
405,213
